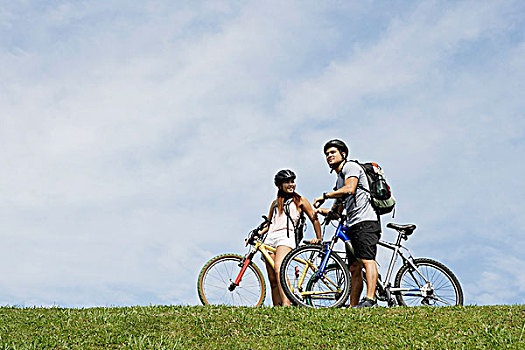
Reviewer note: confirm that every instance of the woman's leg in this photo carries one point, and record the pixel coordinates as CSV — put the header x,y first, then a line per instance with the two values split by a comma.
x,y
274,283
281,252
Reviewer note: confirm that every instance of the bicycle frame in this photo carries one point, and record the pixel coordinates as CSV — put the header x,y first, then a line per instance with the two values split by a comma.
x,y
259,246
384,286
265,251
340,233
396,251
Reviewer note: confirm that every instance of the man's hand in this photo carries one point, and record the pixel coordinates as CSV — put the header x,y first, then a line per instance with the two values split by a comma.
x,y
319,201
315,241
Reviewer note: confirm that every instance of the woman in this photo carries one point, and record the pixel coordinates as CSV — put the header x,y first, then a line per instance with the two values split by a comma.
x,y
285,213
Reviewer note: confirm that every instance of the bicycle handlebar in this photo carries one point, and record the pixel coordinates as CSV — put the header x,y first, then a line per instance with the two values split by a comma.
x,y
332,215
254,234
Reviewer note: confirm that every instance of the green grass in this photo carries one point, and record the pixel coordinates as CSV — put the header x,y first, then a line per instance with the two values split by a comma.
x,y
199,327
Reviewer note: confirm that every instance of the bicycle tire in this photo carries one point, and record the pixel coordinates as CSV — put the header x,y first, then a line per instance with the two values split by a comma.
x,y
217,276
446,289
332,290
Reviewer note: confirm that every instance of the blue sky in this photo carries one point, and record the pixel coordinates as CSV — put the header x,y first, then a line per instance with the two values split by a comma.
x,y
140,138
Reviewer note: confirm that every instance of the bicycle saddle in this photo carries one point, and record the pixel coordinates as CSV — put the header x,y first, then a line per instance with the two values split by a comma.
x,y
406,229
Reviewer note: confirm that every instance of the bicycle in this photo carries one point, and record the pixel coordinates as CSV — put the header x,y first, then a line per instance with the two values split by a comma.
x,y
419,281
235,280
219,281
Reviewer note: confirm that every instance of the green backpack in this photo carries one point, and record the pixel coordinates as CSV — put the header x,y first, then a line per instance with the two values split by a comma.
x,y
380,193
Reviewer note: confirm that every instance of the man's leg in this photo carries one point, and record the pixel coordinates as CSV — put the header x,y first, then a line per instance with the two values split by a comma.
x,y
357,283
371,277
365,245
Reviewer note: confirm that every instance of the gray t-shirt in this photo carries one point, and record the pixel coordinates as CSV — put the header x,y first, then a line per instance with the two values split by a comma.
x,y
358,206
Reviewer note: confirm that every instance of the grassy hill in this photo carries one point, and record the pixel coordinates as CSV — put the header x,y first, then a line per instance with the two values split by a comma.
x,y
199,327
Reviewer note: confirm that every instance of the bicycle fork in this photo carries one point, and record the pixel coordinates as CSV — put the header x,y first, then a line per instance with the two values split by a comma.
x,y
244,265
339,234
326,256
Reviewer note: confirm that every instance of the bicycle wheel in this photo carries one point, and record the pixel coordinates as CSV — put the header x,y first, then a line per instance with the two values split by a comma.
x,y
215,284
443,288
303,286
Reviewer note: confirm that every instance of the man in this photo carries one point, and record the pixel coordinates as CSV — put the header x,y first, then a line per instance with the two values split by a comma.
x,y
351,191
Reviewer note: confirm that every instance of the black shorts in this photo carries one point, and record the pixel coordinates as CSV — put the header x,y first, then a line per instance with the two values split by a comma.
x,y
364,237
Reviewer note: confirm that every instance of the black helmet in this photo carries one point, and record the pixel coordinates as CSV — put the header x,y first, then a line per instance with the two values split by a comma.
x,y
340,145
282,176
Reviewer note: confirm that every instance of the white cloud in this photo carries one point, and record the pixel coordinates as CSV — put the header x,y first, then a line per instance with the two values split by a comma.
x,y
140,139
502,280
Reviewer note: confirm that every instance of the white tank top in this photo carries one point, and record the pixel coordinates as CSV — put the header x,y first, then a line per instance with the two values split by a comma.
x,y
279,220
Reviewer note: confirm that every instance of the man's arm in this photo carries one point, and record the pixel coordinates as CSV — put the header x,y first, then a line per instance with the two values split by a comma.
x,y
348,189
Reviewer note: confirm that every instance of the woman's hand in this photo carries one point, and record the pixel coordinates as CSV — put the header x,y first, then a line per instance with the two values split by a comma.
x,y
322,211
315,240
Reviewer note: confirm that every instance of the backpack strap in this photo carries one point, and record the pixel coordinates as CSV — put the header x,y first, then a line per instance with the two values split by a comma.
x,y
361,187
344,199
299,226
289,216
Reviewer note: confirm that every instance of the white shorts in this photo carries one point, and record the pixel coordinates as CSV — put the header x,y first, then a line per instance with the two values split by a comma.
x,y
278,238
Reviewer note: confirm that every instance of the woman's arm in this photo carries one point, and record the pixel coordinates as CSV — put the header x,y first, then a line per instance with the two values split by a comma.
x,y
312,215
